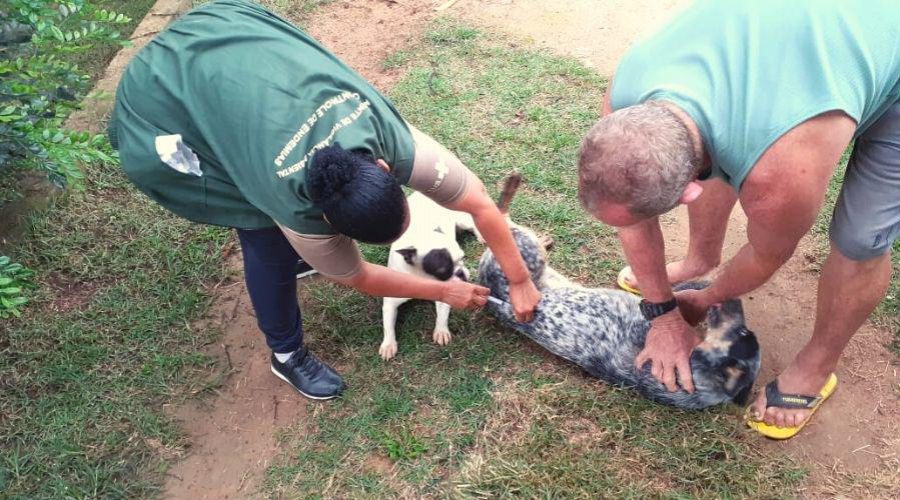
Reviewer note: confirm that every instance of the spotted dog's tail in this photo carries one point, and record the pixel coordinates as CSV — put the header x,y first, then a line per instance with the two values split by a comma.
x,y
510,186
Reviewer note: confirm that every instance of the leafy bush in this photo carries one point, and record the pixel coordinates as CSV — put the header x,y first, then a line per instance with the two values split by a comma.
x,y
13,279
39,88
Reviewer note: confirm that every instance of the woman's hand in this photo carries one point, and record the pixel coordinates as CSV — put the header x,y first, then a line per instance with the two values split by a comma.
x,y
459,294
524,297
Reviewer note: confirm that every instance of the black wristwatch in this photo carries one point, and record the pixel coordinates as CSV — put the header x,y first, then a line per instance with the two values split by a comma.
x,y
653,310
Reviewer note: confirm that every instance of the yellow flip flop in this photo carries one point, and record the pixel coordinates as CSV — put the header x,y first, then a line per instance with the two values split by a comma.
x,y
622,281
775,398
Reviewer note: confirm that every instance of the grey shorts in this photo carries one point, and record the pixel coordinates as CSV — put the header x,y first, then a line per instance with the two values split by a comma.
x,y
866,219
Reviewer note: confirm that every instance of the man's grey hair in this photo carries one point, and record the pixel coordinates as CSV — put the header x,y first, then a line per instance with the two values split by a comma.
x,y
641,156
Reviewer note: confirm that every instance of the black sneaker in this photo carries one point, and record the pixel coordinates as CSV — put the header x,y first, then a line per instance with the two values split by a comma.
x,y
303,269
311,377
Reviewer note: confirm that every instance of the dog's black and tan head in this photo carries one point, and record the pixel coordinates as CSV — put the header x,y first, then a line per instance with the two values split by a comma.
x,y
729,356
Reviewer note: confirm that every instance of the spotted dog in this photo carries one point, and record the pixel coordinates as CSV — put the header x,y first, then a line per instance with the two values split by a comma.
x,y
429,249
602,331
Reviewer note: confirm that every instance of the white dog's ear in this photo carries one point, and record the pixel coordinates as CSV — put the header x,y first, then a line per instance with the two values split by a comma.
x,y
408,254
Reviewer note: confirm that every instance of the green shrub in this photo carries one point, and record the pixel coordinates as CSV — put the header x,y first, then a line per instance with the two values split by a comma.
x,y
13,279
39,88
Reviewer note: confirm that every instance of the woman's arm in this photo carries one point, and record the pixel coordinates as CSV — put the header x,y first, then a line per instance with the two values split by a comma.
x,y
440,175
379,281
338,258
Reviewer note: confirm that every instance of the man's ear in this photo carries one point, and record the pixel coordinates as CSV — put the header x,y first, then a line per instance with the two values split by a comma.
x,y
383,164
408,254
691,192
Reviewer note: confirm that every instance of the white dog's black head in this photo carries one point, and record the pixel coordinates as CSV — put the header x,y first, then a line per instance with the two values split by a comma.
x,y
440,257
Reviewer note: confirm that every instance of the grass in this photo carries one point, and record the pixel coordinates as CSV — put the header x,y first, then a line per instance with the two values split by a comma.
x,y
298,11
491,415
84,375
108,338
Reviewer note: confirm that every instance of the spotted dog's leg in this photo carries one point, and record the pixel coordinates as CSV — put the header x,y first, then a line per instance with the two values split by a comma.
x,y
389,319
441,328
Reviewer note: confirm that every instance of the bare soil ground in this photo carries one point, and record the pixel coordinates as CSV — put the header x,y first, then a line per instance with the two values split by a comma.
x,y
233,434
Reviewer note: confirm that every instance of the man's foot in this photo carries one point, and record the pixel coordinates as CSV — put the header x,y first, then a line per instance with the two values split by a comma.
x,y
303,269
310,376
791,381
678,271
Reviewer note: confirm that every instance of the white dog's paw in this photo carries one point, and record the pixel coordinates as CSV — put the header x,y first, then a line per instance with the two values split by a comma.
x,y
388,350
441,337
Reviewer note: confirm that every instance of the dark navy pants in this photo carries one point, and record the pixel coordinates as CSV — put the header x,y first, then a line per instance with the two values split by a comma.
x,y
270,264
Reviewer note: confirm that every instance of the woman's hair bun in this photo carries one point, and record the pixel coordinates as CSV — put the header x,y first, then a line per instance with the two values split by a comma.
x,y
359,199
334,168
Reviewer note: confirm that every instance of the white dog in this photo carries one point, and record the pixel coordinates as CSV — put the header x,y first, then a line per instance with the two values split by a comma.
x,y
429,249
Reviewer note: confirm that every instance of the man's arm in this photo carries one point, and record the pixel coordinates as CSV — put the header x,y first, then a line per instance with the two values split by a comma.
x,y
782,197
670,340
607,100
645,251
775,225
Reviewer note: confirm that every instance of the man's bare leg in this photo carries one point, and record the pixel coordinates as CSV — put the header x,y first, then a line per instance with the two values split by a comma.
x,y
848,293
708,221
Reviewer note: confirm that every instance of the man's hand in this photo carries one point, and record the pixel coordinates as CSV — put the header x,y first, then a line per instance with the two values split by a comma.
x,y
668,349
459,294
524,297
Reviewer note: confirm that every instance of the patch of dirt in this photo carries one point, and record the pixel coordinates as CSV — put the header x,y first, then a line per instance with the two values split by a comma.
x,y
363,34
69,295
233,435
379,464
597,33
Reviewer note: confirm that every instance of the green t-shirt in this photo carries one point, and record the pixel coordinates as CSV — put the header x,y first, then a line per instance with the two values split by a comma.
x,y
749,71
254,98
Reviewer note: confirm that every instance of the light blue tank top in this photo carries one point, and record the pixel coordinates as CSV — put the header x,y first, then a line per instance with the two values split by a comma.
x,y
748,71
